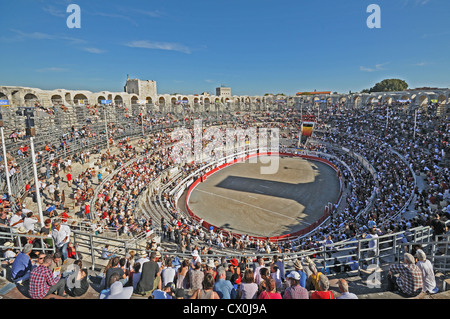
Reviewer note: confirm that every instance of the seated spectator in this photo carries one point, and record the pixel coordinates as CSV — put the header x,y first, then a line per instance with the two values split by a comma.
x,y
345,294
207,290
164,293
168,273
295,290
115,268
8,254
43,282
323,292
150,276
428,278
22,266
135,275
409,280
116,289
77,285
271,290
106,254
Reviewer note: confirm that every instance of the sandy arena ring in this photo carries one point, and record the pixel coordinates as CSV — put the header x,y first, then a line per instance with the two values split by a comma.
x,y
239,199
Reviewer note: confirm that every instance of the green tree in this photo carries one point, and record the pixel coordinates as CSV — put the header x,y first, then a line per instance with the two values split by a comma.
x,y
390,85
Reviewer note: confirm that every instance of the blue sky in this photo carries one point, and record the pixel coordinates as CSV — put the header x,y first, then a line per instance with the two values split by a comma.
x,y
255,47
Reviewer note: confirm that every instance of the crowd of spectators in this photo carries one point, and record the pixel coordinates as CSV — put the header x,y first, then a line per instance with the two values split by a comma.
x,y
116,202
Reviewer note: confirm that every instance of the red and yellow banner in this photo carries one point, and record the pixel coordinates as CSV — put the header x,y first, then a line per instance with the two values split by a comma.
x,y
307,128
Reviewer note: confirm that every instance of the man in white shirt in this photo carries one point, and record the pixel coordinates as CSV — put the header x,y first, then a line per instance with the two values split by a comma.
x,y
16,221
345,294
29,221
257,275
61,237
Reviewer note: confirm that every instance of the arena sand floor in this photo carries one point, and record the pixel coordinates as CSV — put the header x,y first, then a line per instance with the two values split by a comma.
x,y
240,199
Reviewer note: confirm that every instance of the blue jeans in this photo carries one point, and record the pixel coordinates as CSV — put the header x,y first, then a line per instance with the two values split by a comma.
x,y
63,250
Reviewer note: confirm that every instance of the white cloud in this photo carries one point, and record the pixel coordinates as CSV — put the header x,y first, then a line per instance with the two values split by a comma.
x,y
54,11
378,67
21,36
94,50
169,46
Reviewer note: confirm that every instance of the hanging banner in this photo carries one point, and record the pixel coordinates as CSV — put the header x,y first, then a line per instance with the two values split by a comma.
x,y
307,128
4,102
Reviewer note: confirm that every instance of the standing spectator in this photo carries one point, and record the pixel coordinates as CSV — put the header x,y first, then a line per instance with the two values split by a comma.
x,y
299,268
409,281
428,278
43,283
373,246
439,228
69,179
257,268
196,276
345,294
295,290
61,236
312,283
248,288
271,290
182,275
223,287
323,292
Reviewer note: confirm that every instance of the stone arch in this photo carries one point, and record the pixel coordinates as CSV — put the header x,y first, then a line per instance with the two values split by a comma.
x,y
342,99
68,98
3,96
442,99
57,99
100,99
196,100
80,98
30,99
173,100
207,100
423,100
134,100
388,100
148,100
162,100
371,100
118,99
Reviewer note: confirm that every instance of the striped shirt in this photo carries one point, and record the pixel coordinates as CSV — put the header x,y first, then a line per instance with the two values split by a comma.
x,y
410,279
41,280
